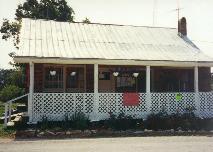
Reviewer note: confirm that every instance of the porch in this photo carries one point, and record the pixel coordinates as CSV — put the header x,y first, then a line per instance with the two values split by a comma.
x,y
98,90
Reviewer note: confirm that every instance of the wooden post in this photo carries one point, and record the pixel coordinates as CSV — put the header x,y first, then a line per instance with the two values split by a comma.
x,y
96,98
31,90
196,90
5,114
148,93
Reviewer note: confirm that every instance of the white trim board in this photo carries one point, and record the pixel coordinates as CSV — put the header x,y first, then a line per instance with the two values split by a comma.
x,y
112,62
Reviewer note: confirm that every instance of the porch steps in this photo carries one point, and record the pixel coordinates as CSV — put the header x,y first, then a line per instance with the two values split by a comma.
x,y
16,119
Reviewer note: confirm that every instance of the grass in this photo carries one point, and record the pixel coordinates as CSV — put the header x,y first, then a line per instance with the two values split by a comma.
x,y
5,133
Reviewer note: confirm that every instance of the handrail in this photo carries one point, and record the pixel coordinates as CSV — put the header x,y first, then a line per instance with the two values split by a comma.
x,y
12,100
9,103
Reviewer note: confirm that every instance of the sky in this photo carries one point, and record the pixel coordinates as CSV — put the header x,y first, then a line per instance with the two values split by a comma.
x,y
132,12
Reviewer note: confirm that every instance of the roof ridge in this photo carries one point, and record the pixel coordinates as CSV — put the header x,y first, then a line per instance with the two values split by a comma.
x,y
104,24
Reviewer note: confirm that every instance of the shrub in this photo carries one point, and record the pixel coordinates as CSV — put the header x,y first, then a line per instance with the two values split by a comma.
x,y
44,124
66,122
9,92
163,121
121,122
79,121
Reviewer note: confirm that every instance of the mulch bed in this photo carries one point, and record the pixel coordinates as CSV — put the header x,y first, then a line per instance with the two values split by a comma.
x,y
48,134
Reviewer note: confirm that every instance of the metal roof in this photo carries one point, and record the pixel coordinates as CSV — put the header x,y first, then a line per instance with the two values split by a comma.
x,y
51,39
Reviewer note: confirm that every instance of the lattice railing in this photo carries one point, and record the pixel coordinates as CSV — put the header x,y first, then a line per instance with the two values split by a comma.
x,y
168,102
55,106
206,104
113,103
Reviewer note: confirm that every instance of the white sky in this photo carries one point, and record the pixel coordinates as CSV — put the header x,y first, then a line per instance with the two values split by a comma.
x,y
135,12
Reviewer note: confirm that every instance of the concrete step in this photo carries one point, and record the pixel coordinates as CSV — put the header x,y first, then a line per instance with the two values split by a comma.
x,y
10,124
17,119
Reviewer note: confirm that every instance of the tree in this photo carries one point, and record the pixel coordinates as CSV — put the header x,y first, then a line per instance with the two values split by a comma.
x,y
44,9
12,81
86,20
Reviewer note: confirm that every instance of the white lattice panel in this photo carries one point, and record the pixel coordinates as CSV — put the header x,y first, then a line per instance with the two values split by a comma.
x,y
167,102
55,106
206,104
113,103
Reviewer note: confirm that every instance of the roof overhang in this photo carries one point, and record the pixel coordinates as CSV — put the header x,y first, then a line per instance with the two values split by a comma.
x,y
113,62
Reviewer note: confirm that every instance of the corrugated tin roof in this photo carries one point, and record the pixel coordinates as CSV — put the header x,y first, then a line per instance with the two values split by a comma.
x,y
41,38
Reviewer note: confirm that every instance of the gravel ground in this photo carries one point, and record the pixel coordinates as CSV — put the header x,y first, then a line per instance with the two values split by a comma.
x,y
136,144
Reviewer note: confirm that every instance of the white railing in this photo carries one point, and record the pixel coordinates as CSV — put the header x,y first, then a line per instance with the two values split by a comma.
x,y
8,109
55,106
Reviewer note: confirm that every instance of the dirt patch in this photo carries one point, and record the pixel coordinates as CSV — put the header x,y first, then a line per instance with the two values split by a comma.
x,y
51,134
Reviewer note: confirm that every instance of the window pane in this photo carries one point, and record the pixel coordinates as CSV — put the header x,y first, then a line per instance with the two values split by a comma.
x,y
75,79
53,78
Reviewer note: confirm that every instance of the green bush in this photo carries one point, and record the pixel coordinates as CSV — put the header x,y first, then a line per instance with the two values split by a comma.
x,y
163,121
79,121
121,122
44,124
9,92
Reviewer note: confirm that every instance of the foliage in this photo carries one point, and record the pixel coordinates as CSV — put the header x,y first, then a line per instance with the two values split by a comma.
x,y
44,9
11,29
76,121
1,108
44,124
6,132
12,77
163,121
79,121
86,20
9,92
11,83
121,122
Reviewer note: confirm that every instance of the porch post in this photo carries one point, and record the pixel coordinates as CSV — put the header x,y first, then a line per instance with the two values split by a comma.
x,y
31,90
96,98
148,93
196,90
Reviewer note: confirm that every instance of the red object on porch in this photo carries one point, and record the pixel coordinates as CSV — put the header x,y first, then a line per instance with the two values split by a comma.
x,y
130,99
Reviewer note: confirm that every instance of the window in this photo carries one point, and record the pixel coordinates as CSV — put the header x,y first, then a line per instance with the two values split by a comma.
x,y
104,76
126,82
75,79
53,78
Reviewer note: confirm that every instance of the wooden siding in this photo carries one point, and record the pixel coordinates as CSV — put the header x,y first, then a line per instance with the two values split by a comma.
x,y
38,80
89,78
204,79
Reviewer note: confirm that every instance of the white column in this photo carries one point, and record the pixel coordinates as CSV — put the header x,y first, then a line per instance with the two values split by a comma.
x,y
31,90
148,93
96,98
196,90
5,115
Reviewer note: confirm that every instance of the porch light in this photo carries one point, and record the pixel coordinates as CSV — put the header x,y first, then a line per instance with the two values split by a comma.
x,y
115,74
52,73
72,74
135,75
